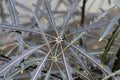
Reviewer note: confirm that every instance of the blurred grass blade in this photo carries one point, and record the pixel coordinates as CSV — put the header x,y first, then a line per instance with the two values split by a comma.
x,y
42,31
78,37
110,26
91,58
89,27
20,28
43,14
110,42
112,75
69,14
104,13
4,58
116,65
15,20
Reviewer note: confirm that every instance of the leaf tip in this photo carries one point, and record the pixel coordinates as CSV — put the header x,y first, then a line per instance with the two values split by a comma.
x,y
100,39
22,71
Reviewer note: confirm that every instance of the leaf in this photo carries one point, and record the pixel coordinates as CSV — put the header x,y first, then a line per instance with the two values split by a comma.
x,y
16,60
15,20
104,14
91,58
48,7
69,14
61,72
84,66
66,64
92,26
48,72
110,42
78,37
4,58
13,12
43,14
37,72
117,2
20,28
28,63
42,31
110,26
116,65
112,75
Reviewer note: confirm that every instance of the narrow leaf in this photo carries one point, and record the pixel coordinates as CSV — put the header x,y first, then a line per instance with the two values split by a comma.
x,y
69,14
16,60
37,72
15,20
110,26
67,66
109,44
48,7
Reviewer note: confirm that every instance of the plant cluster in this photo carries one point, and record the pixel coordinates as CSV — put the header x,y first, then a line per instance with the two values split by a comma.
x,y
47,42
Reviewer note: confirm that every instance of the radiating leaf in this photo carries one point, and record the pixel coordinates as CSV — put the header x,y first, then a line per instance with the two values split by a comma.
x,y
117,2
48,72
37,72
42,31
20,28
15,20
69,14
66,64
16,60
48,7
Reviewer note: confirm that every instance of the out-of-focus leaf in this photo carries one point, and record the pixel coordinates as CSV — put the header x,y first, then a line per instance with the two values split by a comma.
x,y
117,2
15,20
110,26
27,63
92,26
69,14
20,28
4,58
43,14
48,72
61,72
116,65
42,31
104,14
84,66
110,42
112,75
